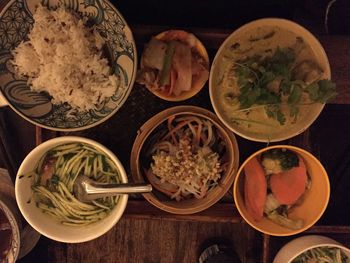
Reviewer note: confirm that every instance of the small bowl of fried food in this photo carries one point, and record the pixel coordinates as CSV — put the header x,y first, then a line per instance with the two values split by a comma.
x,y
188,156
174,65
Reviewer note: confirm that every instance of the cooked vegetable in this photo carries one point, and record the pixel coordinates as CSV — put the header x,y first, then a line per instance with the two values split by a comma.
x,y
154,53
275,182
173,63
279,213
168,58
279,160
255,188
283,220
290,185
54,179
268,81
184,163
325,254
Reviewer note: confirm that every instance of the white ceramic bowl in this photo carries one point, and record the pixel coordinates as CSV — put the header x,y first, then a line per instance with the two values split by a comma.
x,y
45,224
277,133
299,245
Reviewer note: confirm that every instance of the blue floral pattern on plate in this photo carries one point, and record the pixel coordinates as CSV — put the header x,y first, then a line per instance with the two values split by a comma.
x,y
16,21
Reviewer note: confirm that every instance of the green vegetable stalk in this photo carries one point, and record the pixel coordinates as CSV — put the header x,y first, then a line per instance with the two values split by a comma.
x,y
165,74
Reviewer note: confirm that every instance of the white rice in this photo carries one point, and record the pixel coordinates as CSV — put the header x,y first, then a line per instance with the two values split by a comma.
x,y
63,58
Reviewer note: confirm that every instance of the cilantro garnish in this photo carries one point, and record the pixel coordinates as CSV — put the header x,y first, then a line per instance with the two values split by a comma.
x,y
270,82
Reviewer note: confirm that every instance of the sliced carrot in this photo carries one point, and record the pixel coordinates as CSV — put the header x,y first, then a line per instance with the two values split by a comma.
x,y
175,129
198,135
170,120
255,188
290,185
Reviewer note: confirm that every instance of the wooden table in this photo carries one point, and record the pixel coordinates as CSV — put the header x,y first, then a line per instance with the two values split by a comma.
x,y
327,139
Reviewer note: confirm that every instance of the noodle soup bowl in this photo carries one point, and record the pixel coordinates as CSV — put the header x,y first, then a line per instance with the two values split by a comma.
x,y
48,225
290,251
152,132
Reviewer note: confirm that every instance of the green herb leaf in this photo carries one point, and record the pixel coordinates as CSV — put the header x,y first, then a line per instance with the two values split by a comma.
x,y
248,99
280,117
286,86
295,95
267,97
326,91
312,90
274,112
321,91
293,111
267,77
266,80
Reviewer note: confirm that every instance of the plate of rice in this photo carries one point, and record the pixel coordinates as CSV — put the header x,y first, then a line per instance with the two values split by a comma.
x,y
65,65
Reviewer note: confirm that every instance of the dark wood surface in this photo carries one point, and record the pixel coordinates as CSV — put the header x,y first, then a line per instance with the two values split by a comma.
x,y
146,234
150,241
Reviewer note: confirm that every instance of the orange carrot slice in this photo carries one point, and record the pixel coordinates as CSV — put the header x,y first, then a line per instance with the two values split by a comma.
x,y
255,188
290,185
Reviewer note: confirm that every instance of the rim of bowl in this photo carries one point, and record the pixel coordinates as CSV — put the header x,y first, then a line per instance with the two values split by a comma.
x,y
295,149
121,103
67,139
273,21
146,130
16,237
342,247
200,48
318,240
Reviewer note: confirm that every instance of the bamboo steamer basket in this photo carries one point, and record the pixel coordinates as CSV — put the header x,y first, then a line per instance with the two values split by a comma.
x,y
192,205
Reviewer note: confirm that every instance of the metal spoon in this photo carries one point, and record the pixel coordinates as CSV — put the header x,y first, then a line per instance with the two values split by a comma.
x,y
86,190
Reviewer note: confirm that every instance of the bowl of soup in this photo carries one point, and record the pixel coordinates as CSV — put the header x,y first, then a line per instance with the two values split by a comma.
x,y
312,248
269,80
44,189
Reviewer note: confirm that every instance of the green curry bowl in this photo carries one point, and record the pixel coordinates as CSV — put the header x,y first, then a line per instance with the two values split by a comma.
x,y
269,80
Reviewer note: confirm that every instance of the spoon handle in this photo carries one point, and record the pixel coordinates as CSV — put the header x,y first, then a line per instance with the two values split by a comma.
x,y
110,189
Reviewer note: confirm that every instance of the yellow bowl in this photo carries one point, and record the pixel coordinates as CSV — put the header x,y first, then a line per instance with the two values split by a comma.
x,y
310,210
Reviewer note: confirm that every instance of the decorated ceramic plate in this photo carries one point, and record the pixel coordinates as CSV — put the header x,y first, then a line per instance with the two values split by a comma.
x,y
16,21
